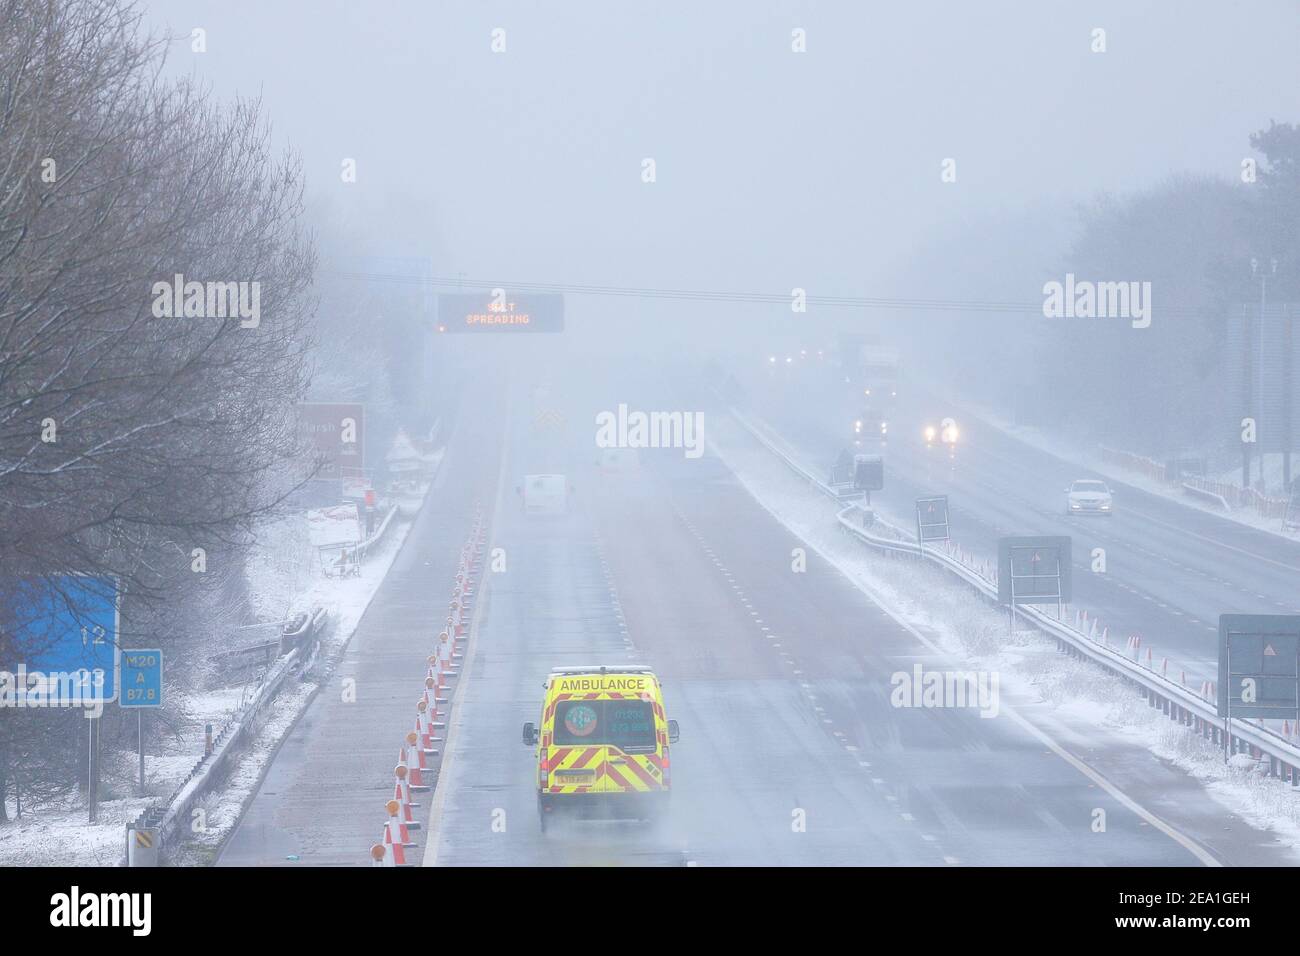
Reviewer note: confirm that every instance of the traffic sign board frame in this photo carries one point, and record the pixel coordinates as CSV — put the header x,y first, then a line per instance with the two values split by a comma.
x,y
478,313
1034,586
842,477
928,526
60,610
1274,678
868,473
321,426
141,672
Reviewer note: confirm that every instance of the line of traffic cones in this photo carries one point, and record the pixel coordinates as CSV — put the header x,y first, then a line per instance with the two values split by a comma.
x,y
414,773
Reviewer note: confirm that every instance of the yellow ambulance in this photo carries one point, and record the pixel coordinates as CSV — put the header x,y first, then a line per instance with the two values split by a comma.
x,y
602,744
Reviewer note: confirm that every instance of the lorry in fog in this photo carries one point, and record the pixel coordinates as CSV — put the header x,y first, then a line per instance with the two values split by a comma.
x,y
870,376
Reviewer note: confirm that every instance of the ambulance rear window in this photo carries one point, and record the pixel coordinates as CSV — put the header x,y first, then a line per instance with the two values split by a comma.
x,y
628,725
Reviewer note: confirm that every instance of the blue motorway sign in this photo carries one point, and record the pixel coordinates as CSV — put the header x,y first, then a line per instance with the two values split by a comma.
x,y
141,679
62,639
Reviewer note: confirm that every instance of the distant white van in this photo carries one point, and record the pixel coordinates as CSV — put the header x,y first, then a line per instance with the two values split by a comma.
x,y
545,494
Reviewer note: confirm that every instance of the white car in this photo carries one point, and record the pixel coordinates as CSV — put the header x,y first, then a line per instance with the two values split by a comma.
x,y
1088,496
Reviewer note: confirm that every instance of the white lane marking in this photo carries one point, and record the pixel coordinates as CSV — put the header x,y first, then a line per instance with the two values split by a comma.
x,y
812,697
1220,544
1181,839
1186,842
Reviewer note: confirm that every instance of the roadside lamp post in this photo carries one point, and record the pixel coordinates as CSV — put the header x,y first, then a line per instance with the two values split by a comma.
x,y
1258,271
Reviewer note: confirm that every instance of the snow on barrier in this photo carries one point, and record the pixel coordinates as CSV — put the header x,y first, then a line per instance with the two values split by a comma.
x,y
1221,494
1196,711
1211,497
413,773
296,647
300,638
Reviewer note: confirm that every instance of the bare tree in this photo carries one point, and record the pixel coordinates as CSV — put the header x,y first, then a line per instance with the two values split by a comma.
x,y
133,438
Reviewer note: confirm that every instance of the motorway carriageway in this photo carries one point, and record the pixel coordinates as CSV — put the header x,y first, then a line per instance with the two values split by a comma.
x,y
781,684
1171,569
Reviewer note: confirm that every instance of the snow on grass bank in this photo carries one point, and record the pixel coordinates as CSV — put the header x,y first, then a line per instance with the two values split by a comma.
x,y
282,578
963,625
346,600
221,808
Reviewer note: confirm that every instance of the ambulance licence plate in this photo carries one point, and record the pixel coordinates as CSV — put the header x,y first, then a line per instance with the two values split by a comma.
x,y
573,777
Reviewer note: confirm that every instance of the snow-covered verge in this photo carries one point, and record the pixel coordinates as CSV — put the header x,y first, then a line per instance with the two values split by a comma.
x,y
58,834
216,814
283,575
1075,694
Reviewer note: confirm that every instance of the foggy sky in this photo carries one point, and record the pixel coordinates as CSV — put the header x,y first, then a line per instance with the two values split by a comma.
x,y
775,169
